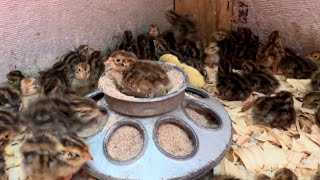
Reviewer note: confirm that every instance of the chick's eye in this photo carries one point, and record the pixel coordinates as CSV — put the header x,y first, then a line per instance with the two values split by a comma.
x,y
118,60
77,155
7,136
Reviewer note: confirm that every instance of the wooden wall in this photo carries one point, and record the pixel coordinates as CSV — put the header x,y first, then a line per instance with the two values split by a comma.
x,y
210,15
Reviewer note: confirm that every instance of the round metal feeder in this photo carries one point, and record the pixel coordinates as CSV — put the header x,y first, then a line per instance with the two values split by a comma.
x,y
210,144
142,107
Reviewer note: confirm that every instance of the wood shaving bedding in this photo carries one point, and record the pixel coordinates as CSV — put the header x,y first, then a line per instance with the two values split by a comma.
x,y
296,148
261,149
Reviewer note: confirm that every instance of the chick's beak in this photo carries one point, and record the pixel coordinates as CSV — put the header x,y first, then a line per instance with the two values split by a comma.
x,y
88,156
109,61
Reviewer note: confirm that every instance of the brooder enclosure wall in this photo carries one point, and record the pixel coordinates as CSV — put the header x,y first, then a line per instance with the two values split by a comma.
x,y
298,21
35,33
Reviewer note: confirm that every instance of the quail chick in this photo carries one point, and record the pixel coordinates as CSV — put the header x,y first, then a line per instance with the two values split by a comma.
x,y
161,48
3,174
78,79
238,46
284,174
85,51
84,109
262,177
281,174
311,100
30,91
294,66
10,98
67,61
97,67
318,116
270,54
182,26
53,82
140,79
14,78
231,86
74,155
315,81
50,114
6,134
260,80
10,125
50,156
315,57
219,35
317,176
39,152
128,43
186,38
60,114
145,42
211,54
315,78
276,111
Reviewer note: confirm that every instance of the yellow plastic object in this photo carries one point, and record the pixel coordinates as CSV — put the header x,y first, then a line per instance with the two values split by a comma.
x,y
195,77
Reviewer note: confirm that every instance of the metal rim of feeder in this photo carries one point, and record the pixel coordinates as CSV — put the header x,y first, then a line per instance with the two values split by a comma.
x,y
212,112
213,144
182,87
137,125
184,126
105,117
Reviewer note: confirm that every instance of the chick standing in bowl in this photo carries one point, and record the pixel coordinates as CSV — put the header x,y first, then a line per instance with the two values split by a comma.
x,y
137,78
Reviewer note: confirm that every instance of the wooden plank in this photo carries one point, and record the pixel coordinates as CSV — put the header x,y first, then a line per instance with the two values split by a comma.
x,y
203,17
213,12
185,6
210,15
225,12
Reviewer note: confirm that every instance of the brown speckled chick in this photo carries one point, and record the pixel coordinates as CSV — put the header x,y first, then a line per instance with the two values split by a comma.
x,y
139,78
3,174
61,115
231,86
128,43
260,80
311,100
30,91
271,54
10,125
211,52
51,156
145,42
276,111
315,78
284,174
318,116
78,79
315,57
14,78
280,174
294,66
10,98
